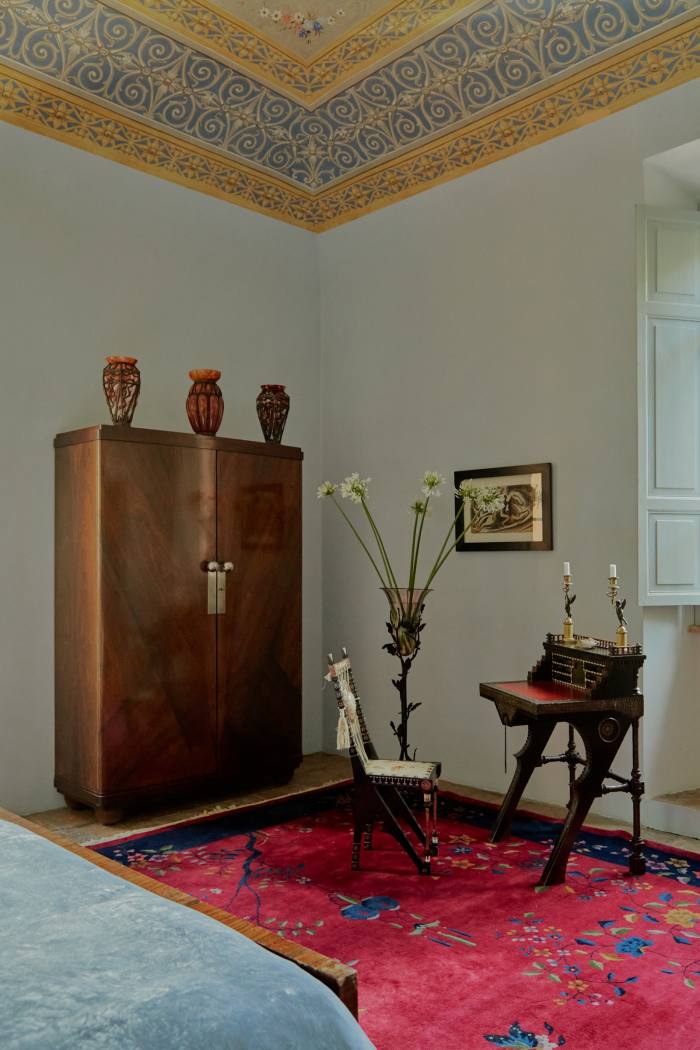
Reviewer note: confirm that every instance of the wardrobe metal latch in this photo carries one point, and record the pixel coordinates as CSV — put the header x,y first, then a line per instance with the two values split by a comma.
x,y
216,585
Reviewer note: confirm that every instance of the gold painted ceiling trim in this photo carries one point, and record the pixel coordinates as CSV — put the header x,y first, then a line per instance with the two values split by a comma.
x,y
210,27
669,59
666,61
38,106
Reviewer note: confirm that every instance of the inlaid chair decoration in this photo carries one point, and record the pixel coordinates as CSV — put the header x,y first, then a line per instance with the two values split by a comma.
x,y
377,795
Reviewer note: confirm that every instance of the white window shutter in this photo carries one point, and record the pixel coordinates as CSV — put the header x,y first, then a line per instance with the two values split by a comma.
x,y
668,249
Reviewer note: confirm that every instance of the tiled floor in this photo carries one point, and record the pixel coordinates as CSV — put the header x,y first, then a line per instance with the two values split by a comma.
x,y
318,770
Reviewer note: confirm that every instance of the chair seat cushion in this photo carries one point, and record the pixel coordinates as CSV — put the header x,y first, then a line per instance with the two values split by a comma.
x,y
385,769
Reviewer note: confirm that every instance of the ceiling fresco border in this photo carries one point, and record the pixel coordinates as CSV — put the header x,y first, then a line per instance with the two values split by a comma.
x,y
498,54
668,60
40,106
213,29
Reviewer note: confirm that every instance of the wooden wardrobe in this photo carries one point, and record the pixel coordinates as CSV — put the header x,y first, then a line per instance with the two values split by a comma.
x,y
178,615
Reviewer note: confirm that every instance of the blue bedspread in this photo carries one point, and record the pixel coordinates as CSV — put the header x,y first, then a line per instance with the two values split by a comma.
x,y
89,960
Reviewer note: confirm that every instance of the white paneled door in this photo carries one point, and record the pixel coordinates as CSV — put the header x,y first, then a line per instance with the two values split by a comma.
x,y
669,407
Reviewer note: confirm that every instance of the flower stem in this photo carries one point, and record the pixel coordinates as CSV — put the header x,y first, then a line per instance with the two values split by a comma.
x,y
441,559
382,548
411,566
420,536
361,542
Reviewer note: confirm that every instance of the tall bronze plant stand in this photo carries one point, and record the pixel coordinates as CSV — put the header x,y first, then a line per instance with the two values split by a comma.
x,y
602,724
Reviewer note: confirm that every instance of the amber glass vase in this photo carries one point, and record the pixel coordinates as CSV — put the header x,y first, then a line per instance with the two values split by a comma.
x,y
205,404
121,381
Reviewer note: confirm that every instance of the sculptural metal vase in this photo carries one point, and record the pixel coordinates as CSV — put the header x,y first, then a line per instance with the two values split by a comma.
x,y
405,626
405,616
205,404
121,381
272,404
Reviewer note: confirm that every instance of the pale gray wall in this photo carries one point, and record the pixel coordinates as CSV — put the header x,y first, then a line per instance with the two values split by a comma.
x,y
488,322
491,320
98,259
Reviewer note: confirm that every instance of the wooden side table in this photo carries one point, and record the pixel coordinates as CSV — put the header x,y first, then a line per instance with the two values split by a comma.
x,y
602,723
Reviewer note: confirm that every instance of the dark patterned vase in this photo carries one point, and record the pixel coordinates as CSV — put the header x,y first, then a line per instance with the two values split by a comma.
x,y
121,380
273,408
205,405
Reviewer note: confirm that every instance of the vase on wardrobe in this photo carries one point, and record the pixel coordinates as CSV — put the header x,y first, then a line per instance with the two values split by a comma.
x,y
272,404
121,381
205,403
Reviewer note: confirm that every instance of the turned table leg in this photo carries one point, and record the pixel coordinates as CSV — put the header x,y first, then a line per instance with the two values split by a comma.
x,y
528,758
637,864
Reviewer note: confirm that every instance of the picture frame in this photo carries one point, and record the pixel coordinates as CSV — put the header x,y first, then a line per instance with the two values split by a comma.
x,y
525,522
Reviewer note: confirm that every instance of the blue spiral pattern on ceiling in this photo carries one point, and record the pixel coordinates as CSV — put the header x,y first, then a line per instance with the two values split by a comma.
x,y
500,50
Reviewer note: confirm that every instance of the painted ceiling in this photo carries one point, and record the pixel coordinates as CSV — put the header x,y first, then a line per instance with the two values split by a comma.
x,y
318,115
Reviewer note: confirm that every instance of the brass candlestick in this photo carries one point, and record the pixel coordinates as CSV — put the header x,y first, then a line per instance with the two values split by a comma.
x,y
568,602
621,638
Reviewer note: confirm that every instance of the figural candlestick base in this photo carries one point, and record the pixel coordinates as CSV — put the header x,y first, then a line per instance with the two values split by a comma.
x,y
569,599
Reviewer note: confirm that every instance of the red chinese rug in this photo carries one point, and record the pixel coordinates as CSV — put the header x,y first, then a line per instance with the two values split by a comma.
x,y
473,955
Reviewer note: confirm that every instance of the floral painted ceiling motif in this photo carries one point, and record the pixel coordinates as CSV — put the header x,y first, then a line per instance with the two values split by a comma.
x,y
303,30
250,102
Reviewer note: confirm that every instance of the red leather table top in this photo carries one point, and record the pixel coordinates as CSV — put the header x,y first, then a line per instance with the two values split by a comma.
x,y
546,690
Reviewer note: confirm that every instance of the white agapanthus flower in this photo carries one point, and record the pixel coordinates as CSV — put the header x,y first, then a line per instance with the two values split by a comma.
x,y
354,488
492,499
431,483
484,498
420,506
326,489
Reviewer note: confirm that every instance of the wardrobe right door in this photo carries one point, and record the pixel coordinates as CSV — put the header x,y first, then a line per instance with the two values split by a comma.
x,y
259,627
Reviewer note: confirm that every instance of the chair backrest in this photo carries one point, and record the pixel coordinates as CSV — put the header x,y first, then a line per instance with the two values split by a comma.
x,y
341,675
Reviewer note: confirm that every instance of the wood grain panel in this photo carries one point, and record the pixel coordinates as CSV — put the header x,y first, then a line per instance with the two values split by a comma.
x,y
77,618
259,638
158,524
141,436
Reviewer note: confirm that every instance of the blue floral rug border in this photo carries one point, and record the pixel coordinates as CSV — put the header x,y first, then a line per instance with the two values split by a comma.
x,y
609,846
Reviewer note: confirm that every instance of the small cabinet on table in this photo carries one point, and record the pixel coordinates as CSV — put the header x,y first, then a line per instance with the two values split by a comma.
x,y
178,615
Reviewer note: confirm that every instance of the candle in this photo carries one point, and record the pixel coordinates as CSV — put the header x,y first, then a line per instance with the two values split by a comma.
x,y
613,571
567,568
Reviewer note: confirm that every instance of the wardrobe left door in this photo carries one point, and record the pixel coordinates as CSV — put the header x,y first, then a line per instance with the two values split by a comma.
x,y
157,530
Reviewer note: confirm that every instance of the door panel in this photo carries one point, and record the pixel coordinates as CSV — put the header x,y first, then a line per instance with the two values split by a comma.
x,y
669,407
159,645
259,635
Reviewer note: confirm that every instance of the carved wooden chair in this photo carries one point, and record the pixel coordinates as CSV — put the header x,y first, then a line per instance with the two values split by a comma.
x,y
378,782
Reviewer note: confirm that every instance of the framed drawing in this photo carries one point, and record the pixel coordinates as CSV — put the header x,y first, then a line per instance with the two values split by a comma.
x,y
523,520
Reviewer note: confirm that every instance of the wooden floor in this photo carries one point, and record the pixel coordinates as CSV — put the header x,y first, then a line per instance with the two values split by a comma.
x,y
691,799
316,771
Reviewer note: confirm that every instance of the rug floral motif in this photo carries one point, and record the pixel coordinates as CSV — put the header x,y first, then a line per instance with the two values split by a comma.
x,y
475,954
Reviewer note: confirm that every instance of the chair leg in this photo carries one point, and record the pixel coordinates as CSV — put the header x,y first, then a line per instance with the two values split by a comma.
x,y
434,839
367,838
356,842
396,801
392,825
431,827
